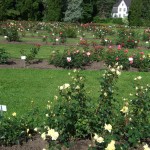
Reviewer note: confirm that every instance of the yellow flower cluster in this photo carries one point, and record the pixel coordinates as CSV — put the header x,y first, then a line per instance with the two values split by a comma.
x,y
65,86
52,133
146,147
108,127
124,109
111,145
98,139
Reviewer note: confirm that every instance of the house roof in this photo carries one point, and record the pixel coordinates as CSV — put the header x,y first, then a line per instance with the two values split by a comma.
x,y
128,2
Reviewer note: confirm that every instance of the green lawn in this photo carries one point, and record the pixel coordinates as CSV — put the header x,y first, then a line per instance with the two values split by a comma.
x,y
18,87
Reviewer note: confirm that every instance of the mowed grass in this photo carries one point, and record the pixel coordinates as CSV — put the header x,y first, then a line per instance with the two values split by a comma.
x,y
18,87
44,53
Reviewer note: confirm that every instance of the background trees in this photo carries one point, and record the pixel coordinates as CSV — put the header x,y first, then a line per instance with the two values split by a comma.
x,y
71,10
135,13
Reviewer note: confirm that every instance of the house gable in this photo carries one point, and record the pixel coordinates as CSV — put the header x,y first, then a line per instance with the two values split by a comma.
x,y
120,9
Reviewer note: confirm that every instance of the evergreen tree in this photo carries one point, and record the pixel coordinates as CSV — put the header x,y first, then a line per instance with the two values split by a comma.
x,y
135,13
52,10
74,11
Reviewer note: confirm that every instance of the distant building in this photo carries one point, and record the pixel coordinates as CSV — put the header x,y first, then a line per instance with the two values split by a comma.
x,y
121,9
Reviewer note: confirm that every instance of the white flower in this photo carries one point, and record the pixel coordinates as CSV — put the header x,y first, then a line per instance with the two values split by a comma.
x,y
5,37
55,97
108,127
100,140
14,114
105,94
65,86
95,136
57,39
43,136
27,130
146,147
139,77
146,42
136,88
112,70
35,129
61,88
111,145
77,87
47,115
54,135
124,109
118,73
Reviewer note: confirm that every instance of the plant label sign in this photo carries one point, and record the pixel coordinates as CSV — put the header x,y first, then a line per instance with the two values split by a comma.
x,y
3,108
23,57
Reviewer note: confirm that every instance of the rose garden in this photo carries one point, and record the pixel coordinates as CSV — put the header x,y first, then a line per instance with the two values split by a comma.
x,y
66,83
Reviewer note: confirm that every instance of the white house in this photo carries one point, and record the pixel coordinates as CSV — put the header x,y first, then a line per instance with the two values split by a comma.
x,y
121,8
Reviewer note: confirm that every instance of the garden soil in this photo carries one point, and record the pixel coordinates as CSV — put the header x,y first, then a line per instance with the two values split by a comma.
x,y
43,64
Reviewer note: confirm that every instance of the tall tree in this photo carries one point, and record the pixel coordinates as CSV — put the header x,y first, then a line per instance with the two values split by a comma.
x,y
135,13
74,11
87,13
105,7
146,9
52,10
30,9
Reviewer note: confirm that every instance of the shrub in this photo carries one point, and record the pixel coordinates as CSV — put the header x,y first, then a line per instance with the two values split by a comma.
x,y
127,38
70,32
113,56
18,129
33,52
69,112
71,58
117,21
3,56
141,61
146,35
12,32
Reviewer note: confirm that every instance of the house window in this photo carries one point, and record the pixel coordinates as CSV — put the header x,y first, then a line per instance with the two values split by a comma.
x,y
119,15
119,9
124,15
124,9
122,4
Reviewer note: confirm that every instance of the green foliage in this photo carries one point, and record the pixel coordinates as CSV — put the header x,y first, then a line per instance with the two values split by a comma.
x,y
113,56
135,13
146,35
12,32
69,112
117,21
105,7
70,59
127,38
70,32
141,61
52,10
18,129
87,12
3,56
33,52
97,19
